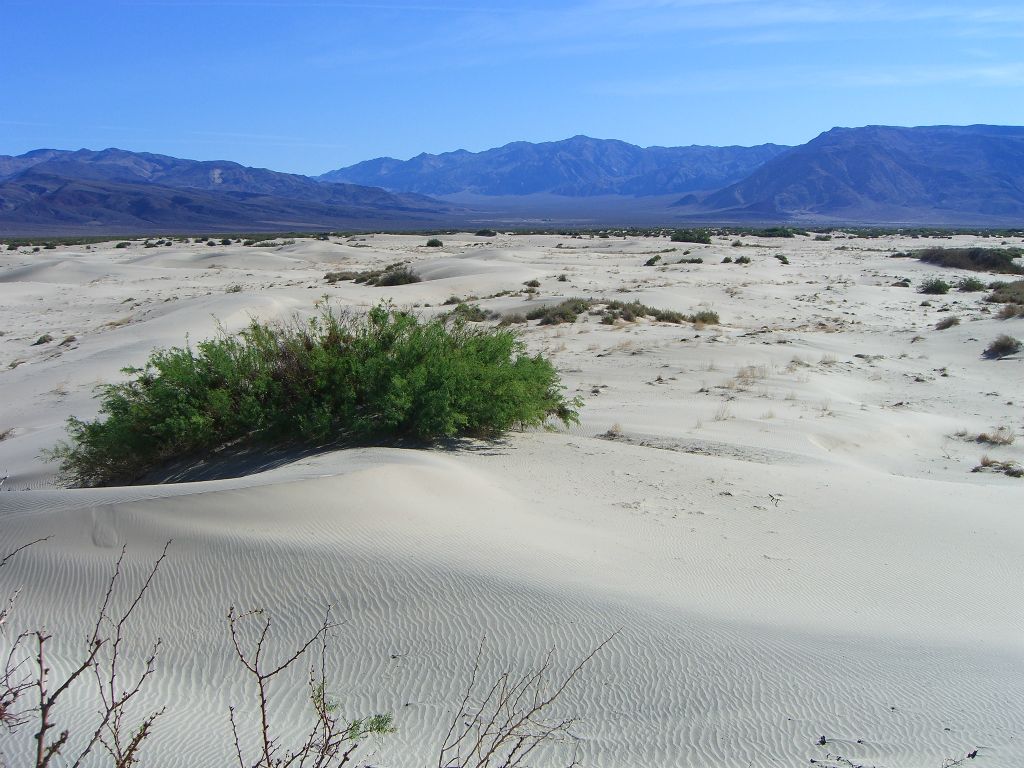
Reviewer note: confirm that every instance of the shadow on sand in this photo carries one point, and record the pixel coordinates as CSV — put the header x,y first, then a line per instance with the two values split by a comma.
x,y
244,460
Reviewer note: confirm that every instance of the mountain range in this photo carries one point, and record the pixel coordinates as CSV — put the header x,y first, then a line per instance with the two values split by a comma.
x,y
576,167
53,192
936,175
878,174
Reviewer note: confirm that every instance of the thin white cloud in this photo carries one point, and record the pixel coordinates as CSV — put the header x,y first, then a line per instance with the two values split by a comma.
x,y
1002,75
1011,74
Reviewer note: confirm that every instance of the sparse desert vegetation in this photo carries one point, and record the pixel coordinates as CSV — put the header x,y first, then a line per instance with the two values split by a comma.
x,y
612,311
394,274
1007,293
1000,260
823,416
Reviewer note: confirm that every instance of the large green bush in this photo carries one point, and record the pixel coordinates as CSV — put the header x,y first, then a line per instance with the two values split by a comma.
x,y
336,378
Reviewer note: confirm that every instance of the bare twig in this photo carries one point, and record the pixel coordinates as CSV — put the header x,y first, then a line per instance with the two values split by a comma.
x,y
30,651
510,720
329,740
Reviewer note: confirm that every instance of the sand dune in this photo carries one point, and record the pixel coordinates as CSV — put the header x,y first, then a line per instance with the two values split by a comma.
x,y
782,524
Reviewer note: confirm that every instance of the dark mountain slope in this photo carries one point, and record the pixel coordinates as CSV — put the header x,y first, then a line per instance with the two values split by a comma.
x,y
114,190
880,173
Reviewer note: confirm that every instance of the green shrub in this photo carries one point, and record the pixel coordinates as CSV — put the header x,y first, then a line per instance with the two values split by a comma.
x,y
564,312
434,243
823,238
741,260
633,310
934,286
947,322
652,261
471,313
337,277
1003,346
335,378
727,260
123,244
399,276
486,233
976,259
691,236
783,259
704,316
614,311
532,283
970,285
777,232
394,274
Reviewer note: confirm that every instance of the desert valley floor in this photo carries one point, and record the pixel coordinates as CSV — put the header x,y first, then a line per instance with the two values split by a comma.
x,y
777,514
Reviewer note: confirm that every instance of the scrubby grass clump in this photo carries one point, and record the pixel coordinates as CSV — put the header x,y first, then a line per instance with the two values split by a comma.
x,y
613,311
778,232
934,286
631,311
1007,293
999,260
564,312
1003,346
335,378
394,274
472,313
701,236
971,285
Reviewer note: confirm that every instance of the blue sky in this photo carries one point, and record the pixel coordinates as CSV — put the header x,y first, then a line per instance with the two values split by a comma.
x,y
311,86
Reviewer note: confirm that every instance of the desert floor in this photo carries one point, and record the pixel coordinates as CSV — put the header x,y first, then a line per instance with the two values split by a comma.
x,y
777,514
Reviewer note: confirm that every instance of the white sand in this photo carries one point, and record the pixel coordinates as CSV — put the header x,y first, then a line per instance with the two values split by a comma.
x,y
789,535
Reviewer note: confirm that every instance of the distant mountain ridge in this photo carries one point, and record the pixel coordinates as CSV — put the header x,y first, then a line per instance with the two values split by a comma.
x,y
931,175
884,173
576,167
116,190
